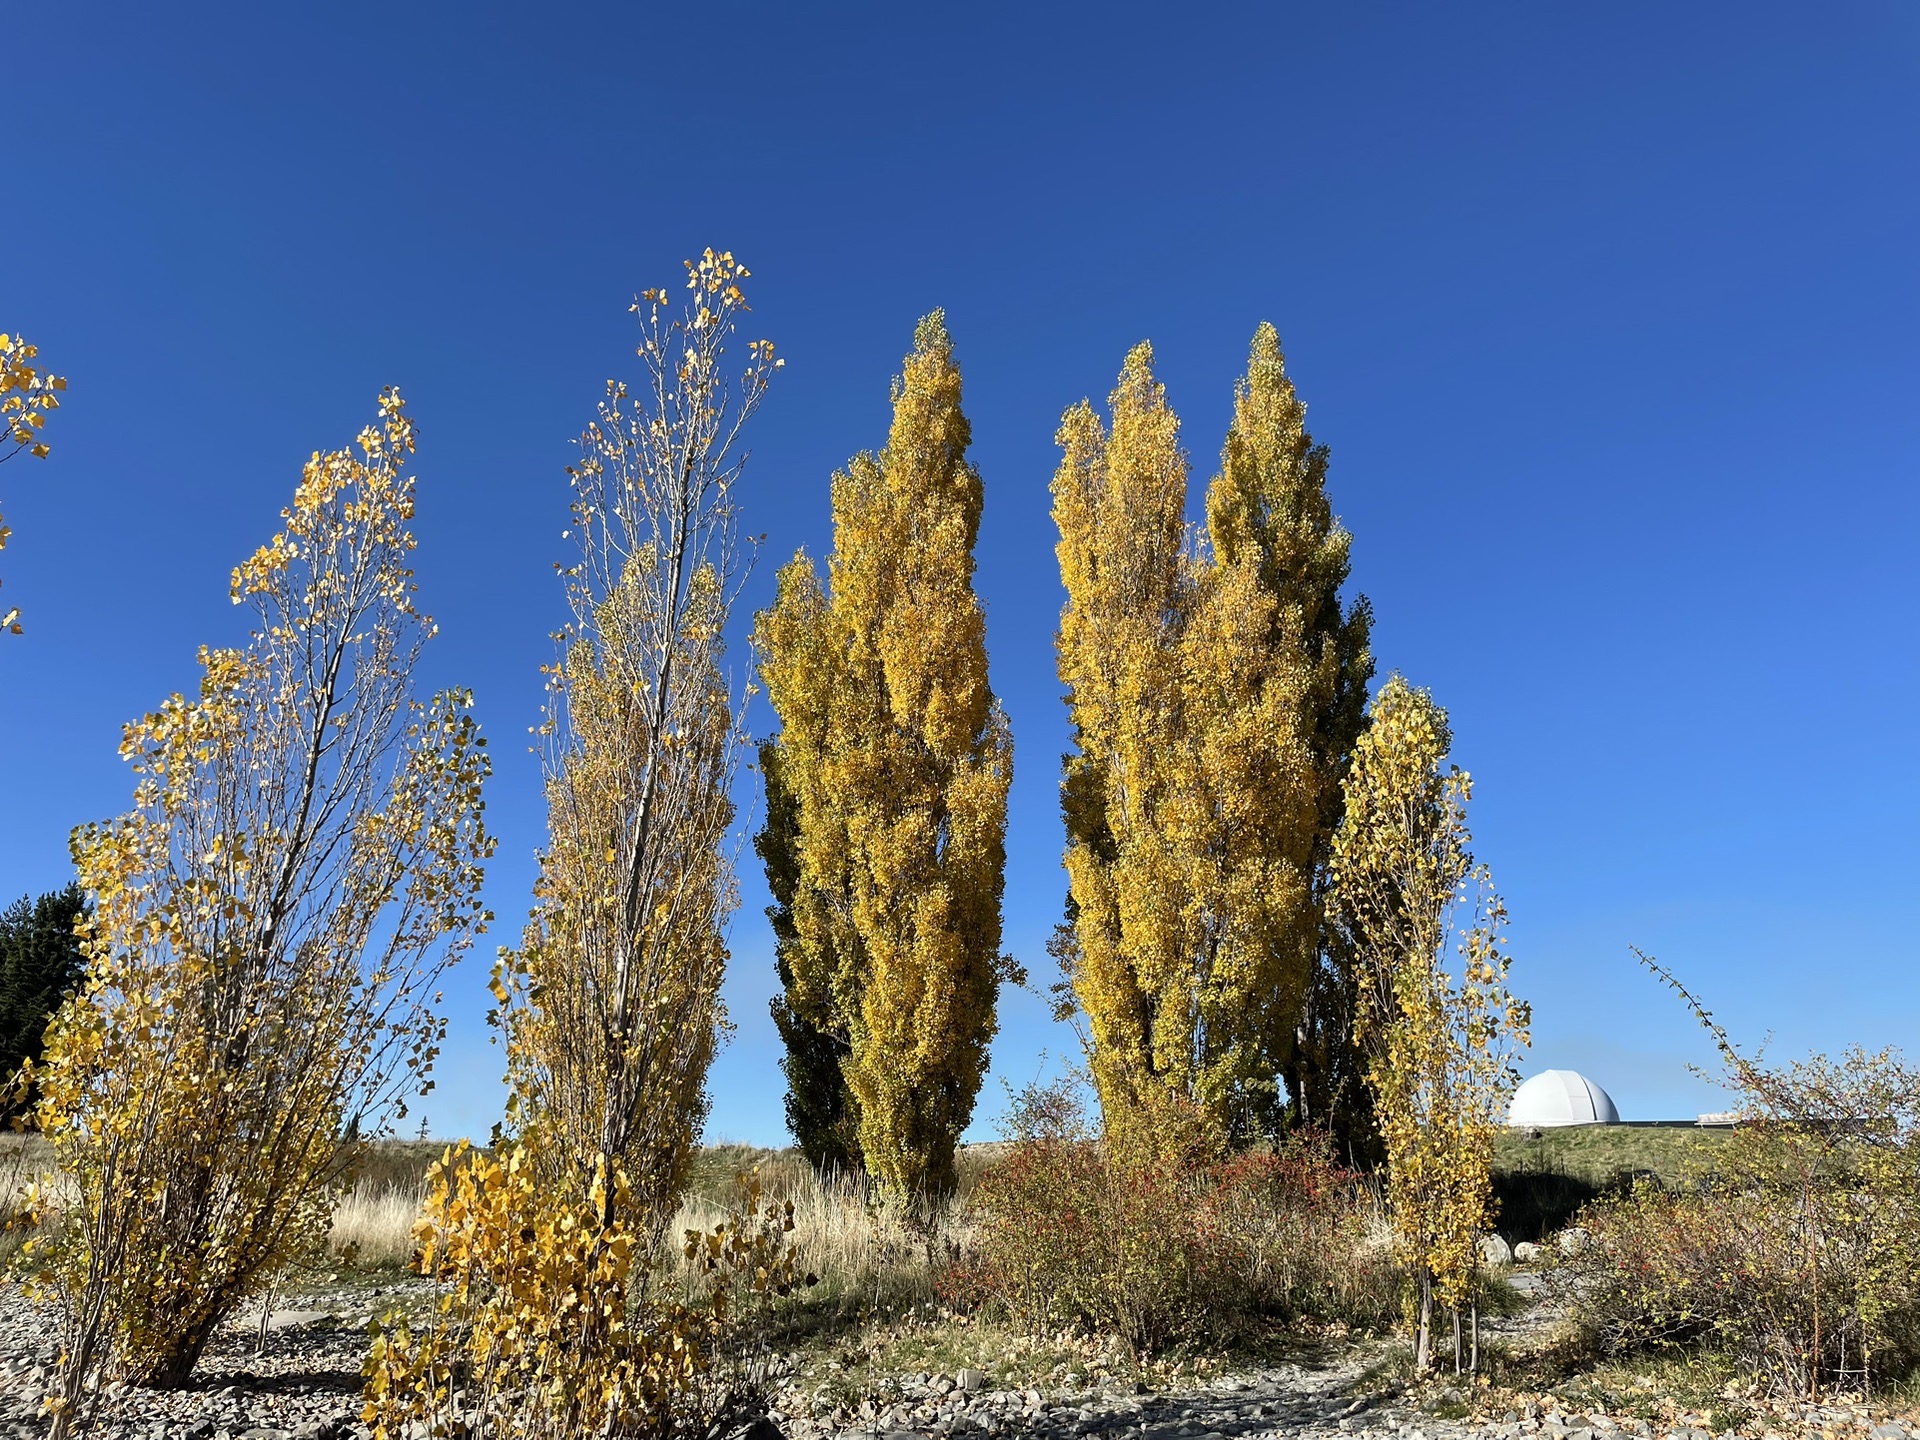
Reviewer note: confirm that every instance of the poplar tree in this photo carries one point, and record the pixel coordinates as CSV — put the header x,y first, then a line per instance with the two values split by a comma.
x,y
1436,1023
1268,508
612,1004
1119,499
820,1112
897,758
1215,684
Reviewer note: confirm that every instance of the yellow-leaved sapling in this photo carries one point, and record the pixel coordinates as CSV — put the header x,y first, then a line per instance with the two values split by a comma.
x,y
550,1322
1438,1025
301,862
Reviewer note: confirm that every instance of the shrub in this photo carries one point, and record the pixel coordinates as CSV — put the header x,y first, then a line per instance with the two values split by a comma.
x,y
1173,1243
1800,1255
1732,1268
555,1318
301,862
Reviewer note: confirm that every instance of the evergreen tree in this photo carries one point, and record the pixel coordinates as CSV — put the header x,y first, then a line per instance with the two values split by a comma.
x,y
898,758
40,964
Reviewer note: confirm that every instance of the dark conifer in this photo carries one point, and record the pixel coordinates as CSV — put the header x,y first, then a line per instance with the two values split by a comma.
x,y
40,964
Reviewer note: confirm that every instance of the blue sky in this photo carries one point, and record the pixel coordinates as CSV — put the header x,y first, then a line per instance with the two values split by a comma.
x,y
1609,315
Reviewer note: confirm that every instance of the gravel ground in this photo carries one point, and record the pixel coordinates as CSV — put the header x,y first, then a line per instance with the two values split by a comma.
x,y
1287,1401
305,1384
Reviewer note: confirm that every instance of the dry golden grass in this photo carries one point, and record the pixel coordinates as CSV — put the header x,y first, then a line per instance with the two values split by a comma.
x,y
373,1223
857,1246
866,1253
862,1249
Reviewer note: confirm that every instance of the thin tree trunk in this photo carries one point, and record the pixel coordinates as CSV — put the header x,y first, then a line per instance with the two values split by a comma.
x,y
1422,1344
1813,1265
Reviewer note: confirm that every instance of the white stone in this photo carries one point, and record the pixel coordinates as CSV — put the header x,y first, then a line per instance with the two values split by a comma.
x,y
1573,1240
294,1319
1561,1097
1525,1253
1494,1250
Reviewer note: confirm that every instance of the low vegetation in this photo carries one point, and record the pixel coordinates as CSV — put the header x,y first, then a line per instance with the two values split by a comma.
x,y
1797,1255
1158,1247
1543,1179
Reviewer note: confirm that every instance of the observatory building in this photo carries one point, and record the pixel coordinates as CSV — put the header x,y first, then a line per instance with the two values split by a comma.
x,y
1561,1097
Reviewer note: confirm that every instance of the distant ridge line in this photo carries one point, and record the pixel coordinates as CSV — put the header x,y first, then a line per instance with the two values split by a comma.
x,y
1701,1122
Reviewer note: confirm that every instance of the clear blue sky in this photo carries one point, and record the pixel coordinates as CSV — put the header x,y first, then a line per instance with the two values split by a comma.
x,y
1610,315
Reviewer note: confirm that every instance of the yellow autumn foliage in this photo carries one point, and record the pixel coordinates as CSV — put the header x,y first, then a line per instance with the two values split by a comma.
x,y
302,860
1438,1026
548,1318
548,1323
1211,678
895,758
612,1004
28,394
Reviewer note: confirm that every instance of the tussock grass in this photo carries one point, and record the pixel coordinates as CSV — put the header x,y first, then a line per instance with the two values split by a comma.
x,y
870,1257
373,1222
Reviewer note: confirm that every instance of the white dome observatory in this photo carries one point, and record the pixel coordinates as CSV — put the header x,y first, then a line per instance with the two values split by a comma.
x,y
1561,1097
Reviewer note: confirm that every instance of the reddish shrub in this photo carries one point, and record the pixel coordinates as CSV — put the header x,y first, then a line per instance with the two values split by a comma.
x,y
1152,1249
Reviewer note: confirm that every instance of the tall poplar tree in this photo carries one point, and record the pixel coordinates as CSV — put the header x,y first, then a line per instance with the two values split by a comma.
x,y
612,1005
1119,500
1268,508
820,1112
896,758
1215,684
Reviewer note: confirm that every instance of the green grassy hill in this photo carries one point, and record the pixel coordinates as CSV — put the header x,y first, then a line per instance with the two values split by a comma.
x,y
1540,1183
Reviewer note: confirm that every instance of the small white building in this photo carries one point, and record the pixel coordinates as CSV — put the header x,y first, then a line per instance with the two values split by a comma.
x,y
1561,1097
